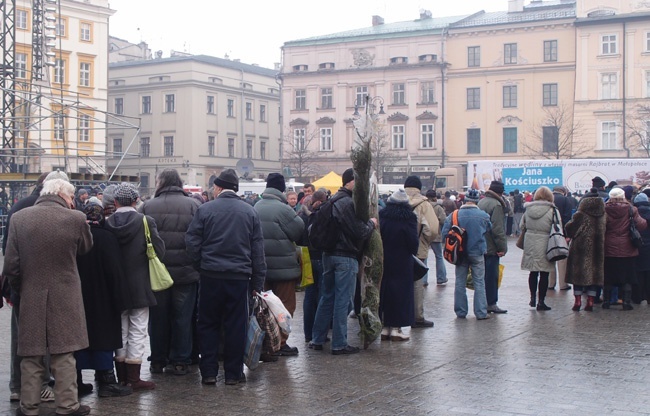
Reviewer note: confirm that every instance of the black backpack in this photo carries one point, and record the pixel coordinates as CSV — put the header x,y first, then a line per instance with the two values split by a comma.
x,y
323,229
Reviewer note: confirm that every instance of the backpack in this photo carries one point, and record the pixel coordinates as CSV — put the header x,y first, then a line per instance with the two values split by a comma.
x,y
455,242
323,229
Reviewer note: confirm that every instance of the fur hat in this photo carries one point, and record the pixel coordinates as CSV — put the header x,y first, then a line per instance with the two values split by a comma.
x,y
597,182
348,176
617,193
227,179
641,198
472,195
413,182
497,187
399,197
276,181
126,194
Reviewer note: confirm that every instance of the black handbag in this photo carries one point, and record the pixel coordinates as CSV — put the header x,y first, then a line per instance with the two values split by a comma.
x,y
420,269
635,235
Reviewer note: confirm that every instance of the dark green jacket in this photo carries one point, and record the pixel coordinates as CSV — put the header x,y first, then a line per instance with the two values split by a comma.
x,y
494,205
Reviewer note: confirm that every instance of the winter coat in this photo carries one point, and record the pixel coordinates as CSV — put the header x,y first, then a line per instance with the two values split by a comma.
x,y
428,228
103,285
440,214
643,259
617,233
281,228
476,223
537,220
128,227
225,240
41,265
398,227
494,206
586,262
564,206
353,232
173,212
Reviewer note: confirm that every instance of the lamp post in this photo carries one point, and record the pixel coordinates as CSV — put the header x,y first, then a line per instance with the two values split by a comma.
x,y
371,105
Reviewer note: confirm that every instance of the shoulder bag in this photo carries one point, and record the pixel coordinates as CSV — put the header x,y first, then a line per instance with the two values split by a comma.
x,y
158,273
635,235
557,248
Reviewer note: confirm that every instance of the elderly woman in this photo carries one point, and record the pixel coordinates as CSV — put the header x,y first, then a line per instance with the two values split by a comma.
x,y
538,220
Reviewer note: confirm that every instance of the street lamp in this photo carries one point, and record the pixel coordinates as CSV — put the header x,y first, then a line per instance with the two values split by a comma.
x,y
371,105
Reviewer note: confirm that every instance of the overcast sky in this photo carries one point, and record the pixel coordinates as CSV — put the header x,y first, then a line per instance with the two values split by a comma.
x,y
253,31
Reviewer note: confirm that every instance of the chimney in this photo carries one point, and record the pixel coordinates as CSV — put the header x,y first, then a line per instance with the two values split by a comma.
x,y
276,66
377,20
425,14
515,6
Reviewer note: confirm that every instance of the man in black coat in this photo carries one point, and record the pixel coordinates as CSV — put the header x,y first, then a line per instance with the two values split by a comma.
x,y
564,207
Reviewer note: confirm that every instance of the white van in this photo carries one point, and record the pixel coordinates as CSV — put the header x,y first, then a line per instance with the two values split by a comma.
x,y
258,186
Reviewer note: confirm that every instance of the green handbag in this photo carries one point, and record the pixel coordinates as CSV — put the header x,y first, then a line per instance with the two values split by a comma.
x,y
158,274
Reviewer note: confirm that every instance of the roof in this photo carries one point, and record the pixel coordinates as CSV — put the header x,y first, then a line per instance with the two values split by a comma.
x,y
537,11
211,60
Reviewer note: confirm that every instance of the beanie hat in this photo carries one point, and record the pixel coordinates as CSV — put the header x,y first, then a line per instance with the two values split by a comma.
x,y
617,193
472,195
399,197
126,194
628,192
641,198
276,181
612,184
597,182
593,193
227,179
348,176
57,174
431,194
497,187
413,182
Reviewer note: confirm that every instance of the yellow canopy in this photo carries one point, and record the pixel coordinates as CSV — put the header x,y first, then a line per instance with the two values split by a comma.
x,y
331,181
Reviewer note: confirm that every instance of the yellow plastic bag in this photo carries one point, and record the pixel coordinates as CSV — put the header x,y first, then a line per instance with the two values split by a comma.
x,y
501,268
305,266
470,282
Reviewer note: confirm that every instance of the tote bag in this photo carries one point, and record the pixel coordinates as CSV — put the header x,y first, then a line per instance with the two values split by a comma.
x,y
557,248
158,274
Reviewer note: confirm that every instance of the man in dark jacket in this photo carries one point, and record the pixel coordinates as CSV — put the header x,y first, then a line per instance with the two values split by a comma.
x,y
170,320
518,211
340,268
565,207
226,245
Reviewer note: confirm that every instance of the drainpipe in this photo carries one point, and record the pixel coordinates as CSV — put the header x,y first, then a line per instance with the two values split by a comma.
x,y
627,149
241,117
442,99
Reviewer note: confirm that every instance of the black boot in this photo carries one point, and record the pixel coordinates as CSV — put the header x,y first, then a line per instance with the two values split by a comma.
x,y
627,298
108,385
83,389
607,295
532,302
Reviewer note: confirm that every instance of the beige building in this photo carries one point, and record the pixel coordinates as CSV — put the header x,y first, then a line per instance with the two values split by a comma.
x,y
197,114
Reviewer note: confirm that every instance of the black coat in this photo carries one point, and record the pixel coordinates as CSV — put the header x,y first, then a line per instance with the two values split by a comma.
x,y
102,283
353,232
564,207
643,259
399,235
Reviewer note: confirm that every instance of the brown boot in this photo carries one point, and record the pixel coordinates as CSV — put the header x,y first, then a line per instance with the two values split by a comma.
x,y
120,371
133,378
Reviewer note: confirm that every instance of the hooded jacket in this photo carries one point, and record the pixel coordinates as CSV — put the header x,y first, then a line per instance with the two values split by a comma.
x,y
586,262
353,232
427,221
494,206
617,234
537,220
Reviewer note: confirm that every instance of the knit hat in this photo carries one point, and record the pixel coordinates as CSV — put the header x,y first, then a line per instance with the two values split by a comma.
x,y
413,182
227,179
629,191
126,194
641,198
617,193
348,176
399,197
597,182
57,174
497,187
593,193
472,195
431,194
276,181
94,212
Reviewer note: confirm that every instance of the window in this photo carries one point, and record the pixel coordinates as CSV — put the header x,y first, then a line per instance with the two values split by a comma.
x,y
360,96
117,147
84,34
231,107
399,140
84,128
325,98
21,65
473,140
550,139
145,146
249,149
263,113
249,111
426,136
509,140
510,96
168,142
399,60
59,126
231,147
301,99
60,27
119,106
609,84
647,84
608,44
608,134
298,139
21,19
211,142
647,42
428,93
326,139
473,98
170,103
398,94
263,150
210,104
473,56
510,53
550,51
84,74
549,92
59,71
146,104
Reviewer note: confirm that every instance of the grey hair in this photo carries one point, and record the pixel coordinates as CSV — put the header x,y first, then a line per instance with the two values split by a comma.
x,y
56,187
169,177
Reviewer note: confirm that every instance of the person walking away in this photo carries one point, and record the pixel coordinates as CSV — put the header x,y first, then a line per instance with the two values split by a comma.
x,y
448,204
51,318
226,245
476,224
564,206
641,291
436,243
398,227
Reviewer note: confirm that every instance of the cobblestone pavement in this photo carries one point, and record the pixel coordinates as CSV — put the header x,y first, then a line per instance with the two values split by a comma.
x,y
522,363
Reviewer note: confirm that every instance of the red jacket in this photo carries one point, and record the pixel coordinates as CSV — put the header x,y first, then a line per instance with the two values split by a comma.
x,y
617,232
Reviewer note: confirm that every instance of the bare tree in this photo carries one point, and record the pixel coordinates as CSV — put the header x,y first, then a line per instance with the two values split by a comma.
x,y
638,126
556,136
298,153
383,156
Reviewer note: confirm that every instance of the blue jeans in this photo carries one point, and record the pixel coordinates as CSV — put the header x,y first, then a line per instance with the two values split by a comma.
x,y
460,292
339,281
312,296
170,324
441,271
491,279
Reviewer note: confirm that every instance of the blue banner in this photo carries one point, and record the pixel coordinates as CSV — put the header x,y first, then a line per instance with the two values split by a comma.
x,y
531,178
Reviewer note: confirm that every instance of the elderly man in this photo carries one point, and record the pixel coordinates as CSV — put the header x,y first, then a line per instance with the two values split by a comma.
x,y
52,314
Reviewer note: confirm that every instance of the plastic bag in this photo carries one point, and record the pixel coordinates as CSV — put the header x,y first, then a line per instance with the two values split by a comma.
x,y
281,314
470,281
272,338
254,340
307,275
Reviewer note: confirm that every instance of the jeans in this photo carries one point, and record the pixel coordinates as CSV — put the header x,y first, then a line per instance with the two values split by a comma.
x,y
460,291
579,290
441,271
339,281
312,296
491,279
170,324
516,220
